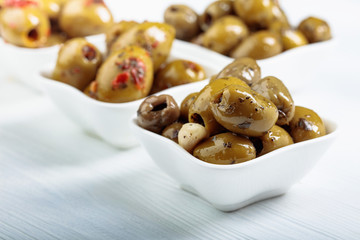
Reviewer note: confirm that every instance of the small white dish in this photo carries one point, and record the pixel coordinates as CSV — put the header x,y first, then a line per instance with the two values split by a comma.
x,y
230,187
110,121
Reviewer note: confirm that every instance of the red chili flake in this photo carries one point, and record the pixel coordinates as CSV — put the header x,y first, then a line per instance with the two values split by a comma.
x,y
19,3
155,44
89,52
75,70
120,80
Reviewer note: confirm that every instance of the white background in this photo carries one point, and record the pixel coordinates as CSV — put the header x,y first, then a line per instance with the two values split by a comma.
x,y
56,182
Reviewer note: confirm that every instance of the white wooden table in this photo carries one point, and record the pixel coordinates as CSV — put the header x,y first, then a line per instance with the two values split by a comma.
x,y
56,182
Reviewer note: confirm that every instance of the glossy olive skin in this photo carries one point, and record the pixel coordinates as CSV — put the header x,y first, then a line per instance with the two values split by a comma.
x,y
275,138
243,111
292,39
315,29
260,45
116,30
77,63
184,20
52,8
126,75
81,18
259,14
225,34
172,131
306,124
156,38
214,11
24,26
246,69
225,148
274,89
200,111
185,105
176,73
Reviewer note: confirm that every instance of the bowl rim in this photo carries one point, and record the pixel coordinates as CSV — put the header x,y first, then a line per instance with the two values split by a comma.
x,y
331,135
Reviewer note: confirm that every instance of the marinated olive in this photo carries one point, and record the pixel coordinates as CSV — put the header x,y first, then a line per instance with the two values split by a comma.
x,y
315,29
157,112
77,63
185,105
200,112
156,38
274,89
292,39
176,73
243,111
275,138
51,8
172,131
24,24
215,11
306,124
81,18
225,34
126,75
183,19
225,148
246,69
116,30
260,45
190,135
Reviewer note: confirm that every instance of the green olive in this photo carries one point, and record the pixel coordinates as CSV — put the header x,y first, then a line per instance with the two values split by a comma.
x,y
279,26
292,39
306,124
214,11
315,29
225,148
77,63
156,38
225,34
260,45
81,18
243,68
274,89
200,111
176,73
185,105
243,111
126,75
275,138
25,26
52,8
172,131
116,30
183,19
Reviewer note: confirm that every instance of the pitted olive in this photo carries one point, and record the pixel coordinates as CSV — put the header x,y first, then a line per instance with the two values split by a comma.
x,y
225,148
315,29
185,105
225,34
176,73
306,124
274,89
172,131
242,110
77,63
215,11
275,138
260,45
157,112
246,69
183,19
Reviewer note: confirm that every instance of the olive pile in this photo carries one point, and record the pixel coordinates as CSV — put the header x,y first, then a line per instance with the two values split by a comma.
x,y
135,52
244,28
41,23
235,118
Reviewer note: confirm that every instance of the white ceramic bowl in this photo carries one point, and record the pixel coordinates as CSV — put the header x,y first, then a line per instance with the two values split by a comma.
x,y
22,64
230,187
109,121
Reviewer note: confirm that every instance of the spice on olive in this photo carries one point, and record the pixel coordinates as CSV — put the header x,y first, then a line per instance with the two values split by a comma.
x,y
315,29
306,124
183,19
157,112
275,138
274,89
116,30
185,105
172,131
214,11
225,148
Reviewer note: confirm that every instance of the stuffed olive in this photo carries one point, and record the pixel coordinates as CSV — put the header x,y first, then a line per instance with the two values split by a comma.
x,y
116,30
